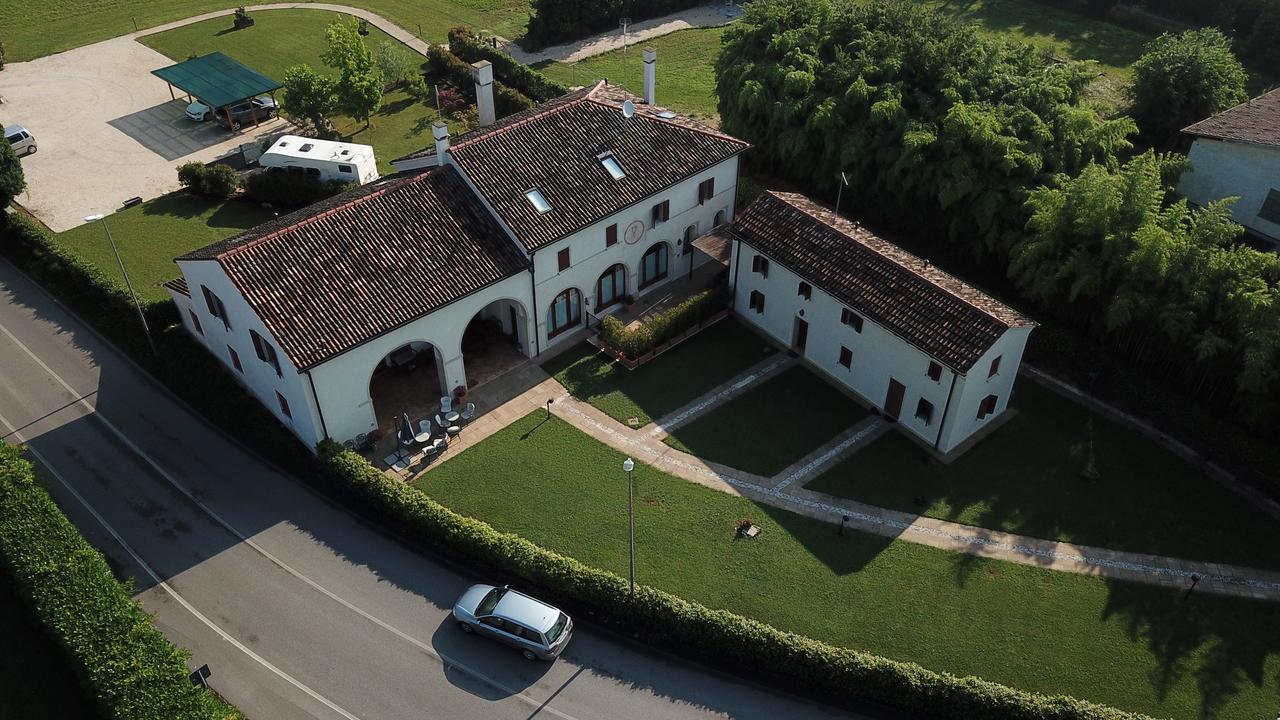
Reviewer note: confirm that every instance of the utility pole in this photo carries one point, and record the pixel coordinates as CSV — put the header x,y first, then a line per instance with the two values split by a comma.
x,y
840,190
137,305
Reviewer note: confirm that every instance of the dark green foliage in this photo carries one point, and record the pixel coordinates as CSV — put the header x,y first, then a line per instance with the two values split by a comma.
x,y
719,637
218,180
1251,23
1181,79
12,181
290,189
516,75
310,96
359,89
557,21
1166,286
939,129
456,72
663,327
132,670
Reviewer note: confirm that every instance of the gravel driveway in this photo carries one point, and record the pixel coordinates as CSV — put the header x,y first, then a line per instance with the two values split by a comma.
x,y
106,130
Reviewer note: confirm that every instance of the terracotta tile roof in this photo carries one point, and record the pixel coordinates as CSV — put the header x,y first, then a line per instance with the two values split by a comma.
x,y
333,275
556,146
1254,121
946,318
179,285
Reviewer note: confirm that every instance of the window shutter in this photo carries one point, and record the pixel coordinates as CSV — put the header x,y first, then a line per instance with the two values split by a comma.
x,y
235,359
846,357
563,258
284,405
611,235
995,366
935,371
711,188
208,301
666,210
805,291
195,321
760,305
257,345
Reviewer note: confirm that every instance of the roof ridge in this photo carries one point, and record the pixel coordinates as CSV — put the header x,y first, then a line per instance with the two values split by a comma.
x,y
785,198
544,111
692,125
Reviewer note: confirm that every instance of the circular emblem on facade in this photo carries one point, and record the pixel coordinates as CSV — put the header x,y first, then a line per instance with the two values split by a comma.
x,y
634,232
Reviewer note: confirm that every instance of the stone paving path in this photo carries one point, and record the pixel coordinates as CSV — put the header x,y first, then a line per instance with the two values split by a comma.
x,y
528,388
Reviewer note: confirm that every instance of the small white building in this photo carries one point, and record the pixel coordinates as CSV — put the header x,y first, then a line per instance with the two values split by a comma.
x,y
930,352
323,159
1236,153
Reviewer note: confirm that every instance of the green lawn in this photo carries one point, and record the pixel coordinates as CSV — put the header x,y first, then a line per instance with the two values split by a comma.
x,y
1026,479
36,680
50,26
670,381
1134,646
772,425
150,235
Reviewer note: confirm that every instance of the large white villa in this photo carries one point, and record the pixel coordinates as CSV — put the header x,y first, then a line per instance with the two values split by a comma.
x,y
503,241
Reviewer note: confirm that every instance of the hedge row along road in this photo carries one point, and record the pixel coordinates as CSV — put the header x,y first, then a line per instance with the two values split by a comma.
x,y
300,610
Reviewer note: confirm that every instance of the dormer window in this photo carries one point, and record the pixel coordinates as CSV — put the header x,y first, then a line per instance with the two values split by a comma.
x,y
610,163
538,200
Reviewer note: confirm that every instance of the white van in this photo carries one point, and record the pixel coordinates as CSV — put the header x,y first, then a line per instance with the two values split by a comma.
x,y
23,142
324,159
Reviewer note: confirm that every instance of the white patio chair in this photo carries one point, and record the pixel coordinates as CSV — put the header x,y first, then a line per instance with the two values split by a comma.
x,y
440,422
468,412
446,404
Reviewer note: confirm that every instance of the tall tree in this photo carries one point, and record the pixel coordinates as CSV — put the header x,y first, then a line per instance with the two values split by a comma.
x,y
12,181
309,95
360,85
1183,78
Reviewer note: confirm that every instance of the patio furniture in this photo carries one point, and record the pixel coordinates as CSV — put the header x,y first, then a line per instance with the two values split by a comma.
x,y
403,359
424,432
452,417
436,446
440,422
469,412
446,403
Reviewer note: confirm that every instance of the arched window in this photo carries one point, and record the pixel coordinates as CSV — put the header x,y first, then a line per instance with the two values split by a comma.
x,y
565,313
653,266
611,286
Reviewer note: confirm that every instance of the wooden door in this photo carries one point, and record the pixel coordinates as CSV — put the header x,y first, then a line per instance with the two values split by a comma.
x,y
800,336
893,400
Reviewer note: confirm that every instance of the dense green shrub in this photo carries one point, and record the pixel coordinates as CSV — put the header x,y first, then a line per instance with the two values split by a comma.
x,y
131,669
1249,22
456,72
557,21
290,189
191,176
719,637
1181,79
12,180
218,180
664,326
516,75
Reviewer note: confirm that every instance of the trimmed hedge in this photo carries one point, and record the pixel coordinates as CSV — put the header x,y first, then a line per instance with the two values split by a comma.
x,y
455,71
718,637
132,670
664,326
517,75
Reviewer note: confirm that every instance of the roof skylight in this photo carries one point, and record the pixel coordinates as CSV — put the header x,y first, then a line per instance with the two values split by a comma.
x,y
611,164
538,200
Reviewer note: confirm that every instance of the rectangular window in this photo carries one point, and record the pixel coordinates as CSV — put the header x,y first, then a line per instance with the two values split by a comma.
x,y
690,233
346,169
805,291
611,235
660,213
935,371
235,359
846,357
756,302
706,190
851,318
760,264
1271,207
195,321
987,406
284,405
266,353
215,306
924,411
538,200
562,259
995,367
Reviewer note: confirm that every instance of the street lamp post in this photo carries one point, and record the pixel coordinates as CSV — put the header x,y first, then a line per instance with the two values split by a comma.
x,y
137,305
629,465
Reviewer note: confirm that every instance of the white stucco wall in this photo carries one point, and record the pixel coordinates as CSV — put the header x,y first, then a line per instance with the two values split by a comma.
x,y
1225,169
589,258
258,376
878,354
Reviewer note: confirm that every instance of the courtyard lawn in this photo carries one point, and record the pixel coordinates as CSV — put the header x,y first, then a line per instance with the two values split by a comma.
x,y
772,425
1026,479
1134,646
36,679
152,234
670,381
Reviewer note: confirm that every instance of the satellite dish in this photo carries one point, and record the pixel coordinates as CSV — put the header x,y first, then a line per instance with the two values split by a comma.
x,y
628,108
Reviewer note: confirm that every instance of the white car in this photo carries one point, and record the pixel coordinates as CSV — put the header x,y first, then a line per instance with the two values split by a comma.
x,y
200,111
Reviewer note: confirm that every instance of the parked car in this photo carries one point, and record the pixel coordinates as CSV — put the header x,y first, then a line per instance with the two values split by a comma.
x,y
199,110
264,106
23,142
536,629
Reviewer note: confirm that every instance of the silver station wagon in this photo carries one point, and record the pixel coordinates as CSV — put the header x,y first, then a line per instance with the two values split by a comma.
x,y
538,630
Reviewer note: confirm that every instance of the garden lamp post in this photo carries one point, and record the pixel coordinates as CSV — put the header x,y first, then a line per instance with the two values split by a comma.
x,y
629,465
1091,465
138,306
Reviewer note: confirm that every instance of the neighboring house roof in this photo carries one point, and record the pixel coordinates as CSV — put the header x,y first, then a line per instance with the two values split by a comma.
x,y
556,148
216,79
336,274
1253,121
944,317
179,285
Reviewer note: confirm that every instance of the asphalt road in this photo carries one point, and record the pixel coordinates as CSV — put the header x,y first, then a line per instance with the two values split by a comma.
x,y
299,609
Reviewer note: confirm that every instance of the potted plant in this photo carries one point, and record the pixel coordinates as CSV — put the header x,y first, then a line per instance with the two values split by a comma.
x,y
460,394
747,528
242,20
363,29
628,302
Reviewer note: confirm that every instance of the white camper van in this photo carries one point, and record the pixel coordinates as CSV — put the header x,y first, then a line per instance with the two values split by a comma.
x,y
324,159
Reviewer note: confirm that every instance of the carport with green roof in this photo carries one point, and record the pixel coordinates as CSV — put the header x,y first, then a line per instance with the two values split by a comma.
x,y
218,81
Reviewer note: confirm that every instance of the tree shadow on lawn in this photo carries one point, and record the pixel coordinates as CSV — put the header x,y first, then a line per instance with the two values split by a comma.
x,y
843,554
1223,642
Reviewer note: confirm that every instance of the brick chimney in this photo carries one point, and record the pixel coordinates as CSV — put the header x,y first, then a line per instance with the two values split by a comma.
x,y
440,132
650,60
483,73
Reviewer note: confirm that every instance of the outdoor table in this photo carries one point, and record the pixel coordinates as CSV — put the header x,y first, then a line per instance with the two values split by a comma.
x,y
451,417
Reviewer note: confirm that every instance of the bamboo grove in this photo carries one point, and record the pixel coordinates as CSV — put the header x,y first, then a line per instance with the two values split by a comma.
x,y
954,138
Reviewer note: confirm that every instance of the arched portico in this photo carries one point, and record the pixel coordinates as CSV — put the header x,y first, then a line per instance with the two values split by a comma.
x,y
408,380
495,340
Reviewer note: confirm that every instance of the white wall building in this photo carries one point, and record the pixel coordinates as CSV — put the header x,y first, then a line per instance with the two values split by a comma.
x,y
1236,153
927,350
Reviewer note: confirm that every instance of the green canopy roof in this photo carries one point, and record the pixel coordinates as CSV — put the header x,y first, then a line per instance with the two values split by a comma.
x,y
216,79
